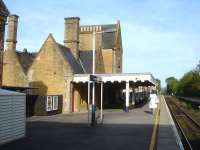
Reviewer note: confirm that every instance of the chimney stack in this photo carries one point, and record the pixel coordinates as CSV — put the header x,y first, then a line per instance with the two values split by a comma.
x,y
71,36
12,32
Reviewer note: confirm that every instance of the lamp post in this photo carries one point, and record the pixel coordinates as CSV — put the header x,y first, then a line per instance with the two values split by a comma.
x,y
93,121
93,83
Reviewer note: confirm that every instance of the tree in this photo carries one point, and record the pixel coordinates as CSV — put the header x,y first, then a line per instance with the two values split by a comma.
x,y
172,85
198,67
158,85
189,84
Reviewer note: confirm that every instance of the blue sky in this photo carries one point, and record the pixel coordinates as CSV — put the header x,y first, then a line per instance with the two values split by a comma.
x,y
159,36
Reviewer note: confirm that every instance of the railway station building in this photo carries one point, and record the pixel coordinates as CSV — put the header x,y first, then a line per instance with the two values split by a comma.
x,y
59,74
4,12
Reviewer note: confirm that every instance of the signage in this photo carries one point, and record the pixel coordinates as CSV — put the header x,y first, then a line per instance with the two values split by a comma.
x,y
95,78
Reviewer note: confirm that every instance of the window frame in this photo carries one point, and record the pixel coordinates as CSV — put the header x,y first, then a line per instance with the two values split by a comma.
x,y
49,105
55,103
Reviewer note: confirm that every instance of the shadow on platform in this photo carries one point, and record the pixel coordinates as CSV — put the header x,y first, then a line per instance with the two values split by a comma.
x,y
148,112
77,136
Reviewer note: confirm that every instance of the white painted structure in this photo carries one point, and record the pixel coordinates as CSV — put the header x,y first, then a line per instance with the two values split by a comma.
x,y
125,77
12,116
142,78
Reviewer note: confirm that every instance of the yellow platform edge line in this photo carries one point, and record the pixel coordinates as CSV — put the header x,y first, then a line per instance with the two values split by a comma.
x,y
154,136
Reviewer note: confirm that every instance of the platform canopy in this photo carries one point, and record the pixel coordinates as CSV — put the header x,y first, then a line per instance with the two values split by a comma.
x,y
140,79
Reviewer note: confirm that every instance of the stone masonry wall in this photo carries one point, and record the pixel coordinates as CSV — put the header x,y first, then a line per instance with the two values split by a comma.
x,y
50,73
13,74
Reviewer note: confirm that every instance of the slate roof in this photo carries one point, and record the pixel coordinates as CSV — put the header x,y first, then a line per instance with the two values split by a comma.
x,y
86,60
26,59
3,9
75,65
108,39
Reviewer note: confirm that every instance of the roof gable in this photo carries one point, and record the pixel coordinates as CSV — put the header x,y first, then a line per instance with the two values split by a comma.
x,y
49,40
64,52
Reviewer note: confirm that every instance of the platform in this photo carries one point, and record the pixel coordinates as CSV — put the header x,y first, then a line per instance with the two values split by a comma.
x,y
168,138
120,131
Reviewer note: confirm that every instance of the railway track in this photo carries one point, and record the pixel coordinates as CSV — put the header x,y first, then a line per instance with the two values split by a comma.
x,y
188,127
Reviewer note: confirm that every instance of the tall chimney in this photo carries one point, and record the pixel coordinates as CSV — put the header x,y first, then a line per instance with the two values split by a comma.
x,y
12,32
71,36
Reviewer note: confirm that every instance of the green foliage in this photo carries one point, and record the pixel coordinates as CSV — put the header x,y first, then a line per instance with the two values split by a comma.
x,y
172,85
189,106
158,86
190,84
198,67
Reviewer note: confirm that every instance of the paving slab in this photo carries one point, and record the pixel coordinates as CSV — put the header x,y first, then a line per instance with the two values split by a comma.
x,y
167,134
119,131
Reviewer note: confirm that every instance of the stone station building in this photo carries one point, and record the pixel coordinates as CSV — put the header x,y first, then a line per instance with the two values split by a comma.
x,y
54,69
4,12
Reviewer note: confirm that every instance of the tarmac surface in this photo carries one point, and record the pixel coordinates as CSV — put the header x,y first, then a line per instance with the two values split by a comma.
x,y
119,131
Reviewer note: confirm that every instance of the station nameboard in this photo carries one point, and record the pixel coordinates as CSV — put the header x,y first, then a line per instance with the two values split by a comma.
x,y
95,78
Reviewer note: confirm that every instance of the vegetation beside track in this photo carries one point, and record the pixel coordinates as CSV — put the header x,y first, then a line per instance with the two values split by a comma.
x,y
188,85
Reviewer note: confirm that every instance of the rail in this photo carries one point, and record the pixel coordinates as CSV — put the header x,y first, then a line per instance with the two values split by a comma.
x,y
184,120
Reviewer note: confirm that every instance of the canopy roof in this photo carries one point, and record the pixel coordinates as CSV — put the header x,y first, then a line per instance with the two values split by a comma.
x,y
140,79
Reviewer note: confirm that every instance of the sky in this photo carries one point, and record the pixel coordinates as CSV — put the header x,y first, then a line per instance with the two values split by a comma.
x,y
159,36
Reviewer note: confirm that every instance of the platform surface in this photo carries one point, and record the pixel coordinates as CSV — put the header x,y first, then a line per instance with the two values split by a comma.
x,y
167,139
120,131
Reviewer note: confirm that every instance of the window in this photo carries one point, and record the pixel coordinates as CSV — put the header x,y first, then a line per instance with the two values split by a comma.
x,y
55,102
52,103
49,103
